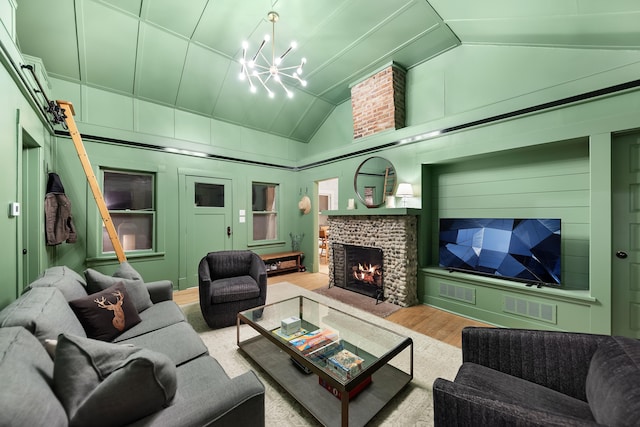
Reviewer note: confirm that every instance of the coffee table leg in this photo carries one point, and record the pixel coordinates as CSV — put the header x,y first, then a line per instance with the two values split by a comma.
x,y
345,409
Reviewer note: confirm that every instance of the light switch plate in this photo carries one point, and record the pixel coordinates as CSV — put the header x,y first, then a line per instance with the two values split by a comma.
x,y
15,209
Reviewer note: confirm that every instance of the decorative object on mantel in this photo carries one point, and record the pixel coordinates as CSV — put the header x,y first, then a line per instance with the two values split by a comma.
x,y
351,205
264,70
391,202
374,181
304,205
296,239
405,190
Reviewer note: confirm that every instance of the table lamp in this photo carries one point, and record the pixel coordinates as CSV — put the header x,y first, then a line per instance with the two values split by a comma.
x,y
405,190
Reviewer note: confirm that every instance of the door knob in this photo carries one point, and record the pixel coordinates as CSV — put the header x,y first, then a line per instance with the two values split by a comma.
x,y
621,254
24,252
228,231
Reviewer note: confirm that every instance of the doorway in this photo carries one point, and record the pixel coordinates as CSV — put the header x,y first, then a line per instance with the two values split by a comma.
x,y
327,201
31,212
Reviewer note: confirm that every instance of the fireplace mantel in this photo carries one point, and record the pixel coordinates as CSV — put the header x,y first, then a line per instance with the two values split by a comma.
x,y
373,212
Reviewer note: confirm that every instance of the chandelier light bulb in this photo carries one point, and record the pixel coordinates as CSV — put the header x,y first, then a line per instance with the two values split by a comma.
x,y
270,71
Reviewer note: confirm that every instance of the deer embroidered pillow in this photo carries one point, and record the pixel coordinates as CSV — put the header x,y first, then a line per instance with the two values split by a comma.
x,y
106,314
136,289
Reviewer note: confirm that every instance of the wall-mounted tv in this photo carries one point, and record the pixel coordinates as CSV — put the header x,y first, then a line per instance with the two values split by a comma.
x,y
526,250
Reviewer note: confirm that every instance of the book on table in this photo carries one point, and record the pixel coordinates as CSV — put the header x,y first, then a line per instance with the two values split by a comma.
x,y
296,334
337,393
314,340
345,364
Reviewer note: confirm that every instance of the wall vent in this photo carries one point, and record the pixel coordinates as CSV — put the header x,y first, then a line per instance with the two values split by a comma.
x,y
531,309
459,293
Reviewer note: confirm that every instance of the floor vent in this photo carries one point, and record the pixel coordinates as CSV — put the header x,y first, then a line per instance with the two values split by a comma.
x,y
459,293
532,309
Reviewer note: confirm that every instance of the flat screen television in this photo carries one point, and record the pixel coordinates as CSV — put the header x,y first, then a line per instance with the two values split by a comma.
x,y
526,250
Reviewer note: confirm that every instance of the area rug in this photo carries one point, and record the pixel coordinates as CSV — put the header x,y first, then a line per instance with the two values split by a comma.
x,y
413,406
354,299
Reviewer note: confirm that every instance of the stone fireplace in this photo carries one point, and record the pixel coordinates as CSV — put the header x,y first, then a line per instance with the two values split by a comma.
x,y
394,277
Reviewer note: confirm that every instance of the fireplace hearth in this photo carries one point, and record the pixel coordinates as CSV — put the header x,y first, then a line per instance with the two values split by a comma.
x,y
360,269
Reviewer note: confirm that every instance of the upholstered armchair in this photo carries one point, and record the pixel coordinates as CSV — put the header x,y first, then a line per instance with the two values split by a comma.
x,y
515,377
230,282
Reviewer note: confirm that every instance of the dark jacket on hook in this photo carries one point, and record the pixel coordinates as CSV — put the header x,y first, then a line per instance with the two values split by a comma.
x,y
59,225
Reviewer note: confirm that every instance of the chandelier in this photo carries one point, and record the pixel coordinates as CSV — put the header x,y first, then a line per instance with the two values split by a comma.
x,y
270,72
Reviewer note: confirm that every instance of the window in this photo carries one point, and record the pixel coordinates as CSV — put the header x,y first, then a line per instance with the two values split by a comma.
x,y
264,211
129,197
209,195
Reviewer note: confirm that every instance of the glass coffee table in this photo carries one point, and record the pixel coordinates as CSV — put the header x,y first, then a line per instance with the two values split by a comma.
x,y
341,368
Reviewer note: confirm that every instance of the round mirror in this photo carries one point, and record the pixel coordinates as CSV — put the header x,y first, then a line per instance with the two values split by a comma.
x,y
375,179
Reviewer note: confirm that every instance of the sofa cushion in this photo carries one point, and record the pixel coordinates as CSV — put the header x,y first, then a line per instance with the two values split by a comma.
x,y
206,396
106,314
612,382
70,283
136,289
26,375
44,312
104,384
501,387
234,289
159,316
178,341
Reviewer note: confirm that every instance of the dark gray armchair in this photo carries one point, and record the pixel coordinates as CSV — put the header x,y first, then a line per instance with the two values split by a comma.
x,y
230,282
515,377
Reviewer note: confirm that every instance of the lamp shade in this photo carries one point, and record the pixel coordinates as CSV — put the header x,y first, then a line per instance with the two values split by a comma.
x,y
404,190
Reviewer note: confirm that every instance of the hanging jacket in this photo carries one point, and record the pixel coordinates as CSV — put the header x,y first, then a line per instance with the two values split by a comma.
x,y
59,225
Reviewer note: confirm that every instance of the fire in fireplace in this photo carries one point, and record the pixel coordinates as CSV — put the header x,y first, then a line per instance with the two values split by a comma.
x,y
359,269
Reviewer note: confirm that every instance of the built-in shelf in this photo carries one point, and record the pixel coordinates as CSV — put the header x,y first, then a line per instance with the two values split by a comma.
x,y
372,212
570,295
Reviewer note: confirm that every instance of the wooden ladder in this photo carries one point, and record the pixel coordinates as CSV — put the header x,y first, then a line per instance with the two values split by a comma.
x,y
67,107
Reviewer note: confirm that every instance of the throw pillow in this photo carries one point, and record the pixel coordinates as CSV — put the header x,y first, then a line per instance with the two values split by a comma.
x,y
136,289
106,314
104,384
126,271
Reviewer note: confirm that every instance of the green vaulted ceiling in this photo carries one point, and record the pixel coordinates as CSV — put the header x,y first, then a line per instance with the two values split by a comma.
x,y
185,54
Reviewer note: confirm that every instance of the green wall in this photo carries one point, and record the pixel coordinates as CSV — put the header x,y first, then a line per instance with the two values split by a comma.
x,y
464,85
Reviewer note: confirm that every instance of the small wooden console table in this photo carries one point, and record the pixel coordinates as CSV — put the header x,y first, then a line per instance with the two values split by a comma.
x,y
282,261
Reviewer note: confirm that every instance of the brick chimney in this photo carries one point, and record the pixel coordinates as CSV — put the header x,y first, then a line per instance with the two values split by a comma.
x,y
378,102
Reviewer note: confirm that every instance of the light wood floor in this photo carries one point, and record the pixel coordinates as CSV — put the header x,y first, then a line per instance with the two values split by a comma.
x,y
429,321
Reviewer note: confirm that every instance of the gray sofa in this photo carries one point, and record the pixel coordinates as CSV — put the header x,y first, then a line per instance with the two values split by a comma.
x,y
155,373
515,377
